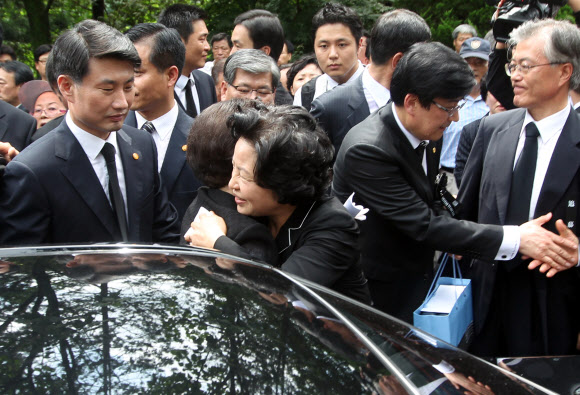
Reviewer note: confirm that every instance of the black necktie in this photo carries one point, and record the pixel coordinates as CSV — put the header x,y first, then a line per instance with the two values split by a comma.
x,y
523,179
148,127
420,150
191,111
115,194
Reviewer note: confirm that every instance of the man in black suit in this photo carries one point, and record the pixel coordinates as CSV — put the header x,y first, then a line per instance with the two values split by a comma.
x,y
16,127
89,180
525,163
383,160
340,109
156,111
194,90
260,29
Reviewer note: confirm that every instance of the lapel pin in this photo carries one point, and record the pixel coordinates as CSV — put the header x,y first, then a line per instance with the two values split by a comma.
x,y
184,148
135,156
434,149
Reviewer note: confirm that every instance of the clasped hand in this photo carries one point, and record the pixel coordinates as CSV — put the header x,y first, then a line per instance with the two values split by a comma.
x,y
550,252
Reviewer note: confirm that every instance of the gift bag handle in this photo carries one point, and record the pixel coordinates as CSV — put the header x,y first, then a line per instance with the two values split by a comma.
x,y
456,271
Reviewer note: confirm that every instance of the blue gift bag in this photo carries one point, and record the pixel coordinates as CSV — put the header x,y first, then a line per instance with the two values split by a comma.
x,y
456,327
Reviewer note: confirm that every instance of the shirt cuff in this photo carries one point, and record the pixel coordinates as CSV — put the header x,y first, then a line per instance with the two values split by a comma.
x,y
510,243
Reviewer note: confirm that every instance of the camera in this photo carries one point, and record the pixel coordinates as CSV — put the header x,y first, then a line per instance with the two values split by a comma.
x,y
515,12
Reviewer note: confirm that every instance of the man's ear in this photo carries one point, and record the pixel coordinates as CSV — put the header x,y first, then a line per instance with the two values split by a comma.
x,y
66,86
395,59
172,74
266,49
411,103
224,89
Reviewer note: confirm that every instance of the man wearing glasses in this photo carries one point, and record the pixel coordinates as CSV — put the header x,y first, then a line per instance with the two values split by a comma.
x,y
390,162
526,163
250,74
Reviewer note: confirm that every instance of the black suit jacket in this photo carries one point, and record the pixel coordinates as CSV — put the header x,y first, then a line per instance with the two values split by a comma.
x,y
403,227
484,194
319,242
340,109
16,126
48,127
205,87
177,177
51,194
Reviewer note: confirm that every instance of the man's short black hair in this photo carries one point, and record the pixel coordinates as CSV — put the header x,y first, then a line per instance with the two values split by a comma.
x,y
167,49
41,50
181,17
395,32
431,70
289,46
265,30
8,50
338,13
88,39
22,73
220,37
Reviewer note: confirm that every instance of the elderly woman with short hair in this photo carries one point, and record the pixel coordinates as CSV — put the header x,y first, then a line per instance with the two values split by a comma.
x,y
281,171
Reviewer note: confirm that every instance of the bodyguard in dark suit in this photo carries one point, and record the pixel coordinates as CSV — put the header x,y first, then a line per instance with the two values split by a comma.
x,y
195,90
155,111
260,29
16,126
89,180
340,109
526,163
383,160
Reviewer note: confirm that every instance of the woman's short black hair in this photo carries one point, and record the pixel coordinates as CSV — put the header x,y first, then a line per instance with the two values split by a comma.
x,y
210,145
294,156
304,61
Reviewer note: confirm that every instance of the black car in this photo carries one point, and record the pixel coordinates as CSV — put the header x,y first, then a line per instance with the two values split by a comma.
x,y
177,320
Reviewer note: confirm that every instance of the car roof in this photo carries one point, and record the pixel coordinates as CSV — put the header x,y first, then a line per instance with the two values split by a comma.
x,y
143,318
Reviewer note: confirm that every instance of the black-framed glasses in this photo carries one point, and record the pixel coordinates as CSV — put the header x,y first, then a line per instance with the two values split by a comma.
x,y
450,111
511,68
245,90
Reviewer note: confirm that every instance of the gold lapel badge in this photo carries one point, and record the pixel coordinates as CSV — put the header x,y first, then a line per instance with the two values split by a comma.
x,y
434,149
135,156
184,148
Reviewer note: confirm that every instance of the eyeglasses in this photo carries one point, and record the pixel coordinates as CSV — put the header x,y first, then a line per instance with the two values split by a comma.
x,y
511,68
450,111
244,90
50,112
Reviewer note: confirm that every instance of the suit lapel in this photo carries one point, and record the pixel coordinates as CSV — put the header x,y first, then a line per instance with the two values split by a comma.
x,y
563,166
405,149
131,158
175,156
501,163
78,170
131,119
359,108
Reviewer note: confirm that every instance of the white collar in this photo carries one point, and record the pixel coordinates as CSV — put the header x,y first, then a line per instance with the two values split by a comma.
x,y
91,144
551,125
412,139
164,124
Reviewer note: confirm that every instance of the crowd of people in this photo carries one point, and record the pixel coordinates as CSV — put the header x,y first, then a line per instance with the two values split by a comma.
x,y
135,137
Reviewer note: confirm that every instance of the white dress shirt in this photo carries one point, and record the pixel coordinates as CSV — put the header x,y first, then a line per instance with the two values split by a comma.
x,y
324,83
92,145
180,90
375,93
164,126
550,129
